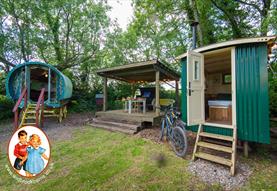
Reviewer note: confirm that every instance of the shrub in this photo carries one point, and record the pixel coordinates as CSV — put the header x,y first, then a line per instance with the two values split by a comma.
x,y
273,97
6,106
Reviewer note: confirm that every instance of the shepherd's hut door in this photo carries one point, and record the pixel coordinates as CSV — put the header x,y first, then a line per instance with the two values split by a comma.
x,y
195,88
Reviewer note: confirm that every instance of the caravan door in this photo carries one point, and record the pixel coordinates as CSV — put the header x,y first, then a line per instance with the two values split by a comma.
x,y
195,88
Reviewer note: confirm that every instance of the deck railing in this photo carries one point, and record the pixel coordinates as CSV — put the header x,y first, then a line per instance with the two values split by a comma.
x,y
22,96
40,109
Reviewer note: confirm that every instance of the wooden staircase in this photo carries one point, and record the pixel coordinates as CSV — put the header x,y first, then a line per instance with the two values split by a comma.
x,y
33,113
215,143
29,116
112,125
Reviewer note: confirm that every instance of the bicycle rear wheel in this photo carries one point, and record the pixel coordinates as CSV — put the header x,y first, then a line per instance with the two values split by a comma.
x,y
179,141
162,129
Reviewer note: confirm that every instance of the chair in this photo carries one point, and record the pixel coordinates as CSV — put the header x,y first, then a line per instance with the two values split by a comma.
x,y
166,102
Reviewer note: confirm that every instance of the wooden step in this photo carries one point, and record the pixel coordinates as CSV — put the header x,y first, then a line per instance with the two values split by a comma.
x,y
219,125
51,115
117,124
215,147
216,136
112,128
34,111
213,158
30,117
27,124
31,106
48,111
30,111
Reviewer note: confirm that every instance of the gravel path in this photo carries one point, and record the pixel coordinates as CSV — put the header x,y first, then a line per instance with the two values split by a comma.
x,y
154,135
212,173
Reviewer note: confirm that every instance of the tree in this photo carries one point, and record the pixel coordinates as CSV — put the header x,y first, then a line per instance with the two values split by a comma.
x,y
263,8
67,34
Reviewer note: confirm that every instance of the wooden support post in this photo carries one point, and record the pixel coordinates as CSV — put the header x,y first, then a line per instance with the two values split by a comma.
x,y
177,94
65,111
245,149
16,119
60,114
196,141
132,89
158,93
25,102
49,85
42,112
234,151
105,94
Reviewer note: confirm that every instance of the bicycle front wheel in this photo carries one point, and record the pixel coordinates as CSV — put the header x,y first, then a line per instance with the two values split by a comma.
x,y
179,141
162,129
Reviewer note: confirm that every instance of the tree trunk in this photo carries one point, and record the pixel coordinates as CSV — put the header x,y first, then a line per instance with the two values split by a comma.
x,y
264,17
196,18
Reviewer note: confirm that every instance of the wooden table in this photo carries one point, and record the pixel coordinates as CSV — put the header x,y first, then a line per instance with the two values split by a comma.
x,y
129,103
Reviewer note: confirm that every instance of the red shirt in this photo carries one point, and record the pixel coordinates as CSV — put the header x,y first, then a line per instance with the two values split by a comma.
x,y
20,150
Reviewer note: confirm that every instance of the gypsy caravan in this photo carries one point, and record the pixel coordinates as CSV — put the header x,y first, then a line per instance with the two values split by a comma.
x,y
29,82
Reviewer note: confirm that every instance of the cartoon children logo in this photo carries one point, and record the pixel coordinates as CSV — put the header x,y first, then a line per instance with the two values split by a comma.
x,y
29,151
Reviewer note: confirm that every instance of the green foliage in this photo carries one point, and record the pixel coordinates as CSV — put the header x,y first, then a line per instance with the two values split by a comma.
x,y
117,91
6,106
2,82
82,102
78,37
273,88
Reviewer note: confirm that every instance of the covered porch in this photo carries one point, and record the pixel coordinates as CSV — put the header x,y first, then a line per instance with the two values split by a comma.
x,y
152,71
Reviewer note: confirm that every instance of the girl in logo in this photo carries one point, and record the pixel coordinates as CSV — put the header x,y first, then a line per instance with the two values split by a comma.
x,y
35,163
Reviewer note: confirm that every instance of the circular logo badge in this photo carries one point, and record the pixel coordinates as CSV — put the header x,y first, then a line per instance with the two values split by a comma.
x,y
29,151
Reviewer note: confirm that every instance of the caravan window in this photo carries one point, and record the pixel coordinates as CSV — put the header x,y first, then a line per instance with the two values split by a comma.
x,y
227,78
196,70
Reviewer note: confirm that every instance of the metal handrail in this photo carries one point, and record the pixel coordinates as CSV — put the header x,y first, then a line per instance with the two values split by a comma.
x,y
15,108
40,106
22,95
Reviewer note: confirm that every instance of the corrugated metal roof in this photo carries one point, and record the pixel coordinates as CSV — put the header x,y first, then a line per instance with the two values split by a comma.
x,y
268,39
140,71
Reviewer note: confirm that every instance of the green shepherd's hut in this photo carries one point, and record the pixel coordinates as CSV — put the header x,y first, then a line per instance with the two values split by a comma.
x,y
225,94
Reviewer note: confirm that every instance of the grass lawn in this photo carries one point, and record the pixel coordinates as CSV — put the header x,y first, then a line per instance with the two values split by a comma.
x,y
101,160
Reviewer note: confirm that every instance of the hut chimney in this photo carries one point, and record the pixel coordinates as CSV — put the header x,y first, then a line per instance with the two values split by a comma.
x,y
194,27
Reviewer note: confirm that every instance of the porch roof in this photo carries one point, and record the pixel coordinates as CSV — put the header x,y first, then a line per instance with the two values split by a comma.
x,y
140,72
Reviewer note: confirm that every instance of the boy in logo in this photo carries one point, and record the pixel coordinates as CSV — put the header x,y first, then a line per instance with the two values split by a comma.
x,y
20,151
35,163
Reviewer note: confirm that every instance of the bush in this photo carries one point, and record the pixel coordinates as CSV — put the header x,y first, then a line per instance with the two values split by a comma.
x,y
2,82
273,97
6,106
273,89
82,102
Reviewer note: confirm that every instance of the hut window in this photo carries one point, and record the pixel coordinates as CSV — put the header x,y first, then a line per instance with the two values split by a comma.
x,y
196,70
227,78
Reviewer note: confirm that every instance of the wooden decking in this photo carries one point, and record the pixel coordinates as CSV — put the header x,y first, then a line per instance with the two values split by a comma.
x,y
120,115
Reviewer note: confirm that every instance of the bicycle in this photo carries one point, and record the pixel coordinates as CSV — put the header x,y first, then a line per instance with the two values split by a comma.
x,y
175,131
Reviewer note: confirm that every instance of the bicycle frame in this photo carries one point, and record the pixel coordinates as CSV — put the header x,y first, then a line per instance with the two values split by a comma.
x,y
169,122
175,130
